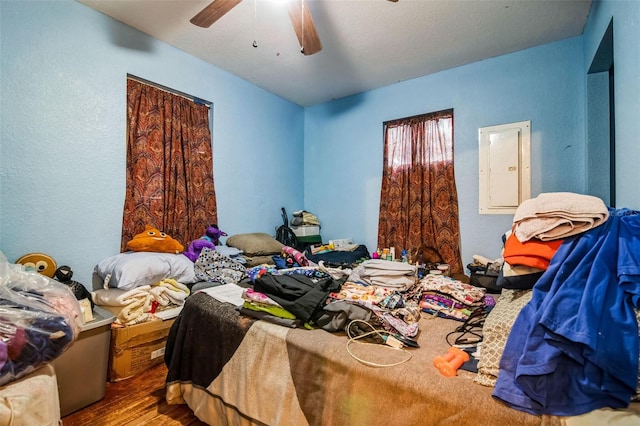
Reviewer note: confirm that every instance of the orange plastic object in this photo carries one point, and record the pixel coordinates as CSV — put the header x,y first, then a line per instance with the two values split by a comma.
x,y
449,363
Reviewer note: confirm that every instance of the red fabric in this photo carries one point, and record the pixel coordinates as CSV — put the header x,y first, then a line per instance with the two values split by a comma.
x,y
16,343
418,199
534,252
169,165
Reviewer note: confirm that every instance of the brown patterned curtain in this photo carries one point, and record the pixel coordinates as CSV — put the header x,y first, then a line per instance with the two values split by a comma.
x,y
169,165
419,201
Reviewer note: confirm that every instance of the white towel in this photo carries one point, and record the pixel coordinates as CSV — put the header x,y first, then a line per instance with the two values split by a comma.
x,y
118,297
136,304
169,291
556,215
134,313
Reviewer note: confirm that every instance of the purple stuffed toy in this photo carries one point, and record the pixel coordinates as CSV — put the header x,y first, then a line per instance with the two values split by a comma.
x,y
211,240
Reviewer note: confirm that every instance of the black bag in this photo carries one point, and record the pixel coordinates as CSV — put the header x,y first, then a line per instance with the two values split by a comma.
x,y
284,234
339,258
484,276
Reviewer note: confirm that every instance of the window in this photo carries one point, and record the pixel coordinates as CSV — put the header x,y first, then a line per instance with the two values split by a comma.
x,y
418,199
169,164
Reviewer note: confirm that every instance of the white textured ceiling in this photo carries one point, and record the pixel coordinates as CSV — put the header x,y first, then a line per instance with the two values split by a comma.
x,y
366,43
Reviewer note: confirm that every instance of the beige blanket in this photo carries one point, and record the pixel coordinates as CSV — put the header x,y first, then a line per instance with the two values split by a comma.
x,y
556,215
279,376
31,400
385,273
134,306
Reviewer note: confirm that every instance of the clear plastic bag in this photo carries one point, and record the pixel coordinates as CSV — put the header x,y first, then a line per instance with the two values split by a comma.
x,y
39,319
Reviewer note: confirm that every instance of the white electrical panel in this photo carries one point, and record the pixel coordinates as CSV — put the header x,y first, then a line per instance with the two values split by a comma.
x,y
505,172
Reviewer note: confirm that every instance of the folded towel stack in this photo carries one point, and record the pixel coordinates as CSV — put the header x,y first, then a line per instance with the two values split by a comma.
x,y
557,215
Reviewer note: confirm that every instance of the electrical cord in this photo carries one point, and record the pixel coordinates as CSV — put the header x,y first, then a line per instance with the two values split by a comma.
x,y
387,340
470,332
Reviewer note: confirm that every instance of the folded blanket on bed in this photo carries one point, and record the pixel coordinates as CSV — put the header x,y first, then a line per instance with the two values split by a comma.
x,y
556,215
385,273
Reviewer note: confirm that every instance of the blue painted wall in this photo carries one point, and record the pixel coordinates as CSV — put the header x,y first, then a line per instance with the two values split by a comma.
x,y
62,151
626,59
344,140
62,132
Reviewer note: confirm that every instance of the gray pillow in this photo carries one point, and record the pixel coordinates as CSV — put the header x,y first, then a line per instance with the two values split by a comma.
x,y
255,244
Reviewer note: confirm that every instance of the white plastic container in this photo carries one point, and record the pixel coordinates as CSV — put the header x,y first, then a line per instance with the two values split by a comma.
x,y
306,230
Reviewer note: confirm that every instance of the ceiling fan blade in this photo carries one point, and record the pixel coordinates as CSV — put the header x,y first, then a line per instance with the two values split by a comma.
x,y
213,12
304,27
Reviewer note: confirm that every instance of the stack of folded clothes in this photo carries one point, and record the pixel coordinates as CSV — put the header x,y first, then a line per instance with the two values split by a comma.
x,y
449,298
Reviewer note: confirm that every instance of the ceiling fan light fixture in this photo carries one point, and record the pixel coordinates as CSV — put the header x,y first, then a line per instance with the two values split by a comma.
x,y
299,14
304,27
212,12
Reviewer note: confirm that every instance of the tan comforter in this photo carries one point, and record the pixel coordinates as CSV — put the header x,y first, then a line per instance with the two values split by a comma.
x,y
234,370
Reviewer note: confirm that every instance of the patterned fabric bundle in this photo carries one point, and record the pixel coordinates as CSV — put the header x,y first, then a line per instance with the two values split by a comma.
x,y
449,298
496,331
393,309
293,257
212,266
311,272
445,306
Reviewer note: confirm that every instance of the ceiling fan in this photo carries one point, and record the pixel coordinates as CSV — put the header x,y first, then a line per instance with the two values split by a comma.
x,y
298,13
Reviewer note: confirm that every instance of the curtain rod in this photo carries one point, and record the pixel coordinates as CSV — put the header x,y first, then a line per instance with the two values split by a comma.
x,y
432,114
195,99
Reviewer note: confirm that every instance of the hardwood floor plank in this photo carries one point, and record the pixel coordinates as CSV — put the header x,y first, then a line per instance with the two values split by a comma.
x,y
137,401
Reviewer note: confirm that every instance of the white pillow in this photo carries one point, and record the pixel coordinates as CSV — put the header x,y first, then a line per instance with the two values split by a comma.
x,y
134,269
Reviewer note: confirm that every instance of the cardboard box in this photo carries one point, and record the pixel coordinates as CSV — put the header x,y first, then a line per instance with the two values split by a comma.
x,y
136,348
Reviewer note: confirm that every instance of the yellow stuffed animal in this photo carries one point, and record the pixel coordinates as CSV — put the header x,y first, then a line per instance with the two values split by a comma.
x,y
152,239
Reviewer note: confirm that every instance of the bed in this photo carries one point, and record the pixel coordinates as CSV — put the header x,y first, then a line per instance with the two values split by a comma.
x,y
232,369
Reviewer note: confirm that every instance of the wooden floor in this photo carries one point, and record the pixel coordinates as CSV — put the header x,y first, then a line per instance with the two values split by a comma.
x,y
135,401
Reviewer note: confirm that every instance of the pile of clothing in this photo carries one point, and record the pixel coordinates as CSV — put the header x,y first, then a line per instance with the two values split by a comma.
x,y
540,226
213,266
574,347
449,298
303,217
39,319
142,303
384,293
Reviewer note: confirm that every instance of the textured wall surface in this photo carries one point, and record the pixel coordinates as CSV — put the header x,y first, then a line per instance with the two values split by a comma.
x,y
345,137
62,133
62,140
626,60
